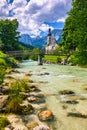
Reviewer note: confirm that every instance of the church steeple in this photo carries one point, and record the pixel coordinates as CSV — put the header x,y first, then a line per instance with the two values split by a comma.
x,y
49,38
49,32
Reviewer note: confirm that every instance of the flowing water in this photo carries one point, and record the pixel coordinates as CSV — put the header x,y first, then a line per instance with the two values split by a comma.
x,y
51,79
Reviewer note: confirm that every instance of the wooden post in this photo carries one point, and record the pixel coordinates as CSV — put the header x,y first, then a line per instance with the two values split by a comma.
x,y
40,61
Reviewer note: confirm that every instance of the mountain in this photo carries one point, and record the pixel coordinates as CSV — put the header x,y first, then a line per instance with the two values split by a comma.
x,y
26,39
40,42
57,34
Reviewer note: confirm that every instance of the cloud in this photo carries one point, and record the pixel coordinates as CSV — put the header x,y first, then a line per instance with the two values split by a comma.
x,y
4,11
34,13
44,27
61,19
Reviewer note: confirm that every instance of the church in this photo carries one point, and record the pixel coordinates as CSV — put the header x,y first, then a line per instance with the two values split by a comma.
x,y
51,43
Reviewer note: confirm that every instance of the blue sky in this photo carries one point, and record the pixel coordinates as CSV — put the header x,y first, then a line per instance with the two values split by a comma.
x,y
36,16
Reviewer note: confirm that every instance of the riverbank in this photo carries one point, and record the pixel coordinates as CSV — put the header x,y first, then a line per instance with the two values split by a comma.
x,y
22,103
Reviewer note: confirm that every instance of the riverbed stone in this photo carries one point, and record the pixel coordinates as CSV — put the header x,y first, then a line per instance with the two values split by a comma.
x,y
31,125
41,127
6,128
33,88
3,100
16,122
9,71
24,95
20,127
38,94
66,92
34,99
72,99
45,115
26,108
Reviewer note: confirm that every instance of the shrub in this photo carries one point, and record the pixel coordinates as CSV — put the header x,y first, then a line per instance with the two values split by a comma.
x,y
14,105
18,86
73,59
16,98
2,72
79,58
59,59
34,57
3,122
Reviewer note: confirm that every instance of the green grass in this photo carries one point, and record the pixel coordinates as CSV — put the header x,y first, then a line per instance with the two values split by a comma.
x,y
5,63
2,59
53,58
3,66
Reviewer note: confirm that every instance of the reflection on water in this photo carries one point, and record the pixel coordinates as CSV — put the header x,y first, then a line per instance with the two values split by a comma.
x,y
54,78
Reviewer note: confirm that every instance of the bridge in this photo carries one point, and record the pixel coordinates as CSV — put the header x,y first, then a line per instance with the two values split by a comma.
x,y
19,53
25,53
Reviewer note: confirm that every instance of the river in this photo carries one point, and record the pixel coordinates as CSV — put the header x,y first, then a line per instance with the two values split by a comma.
x,y
52,79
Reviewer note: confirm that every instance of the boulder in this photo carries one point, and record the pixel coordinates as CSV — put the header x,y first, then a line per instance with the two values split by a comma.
x,y
45,115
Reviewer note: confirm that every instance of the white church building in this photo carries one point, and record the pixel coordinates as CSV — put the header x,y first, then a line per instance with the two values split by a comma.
x,y
51,43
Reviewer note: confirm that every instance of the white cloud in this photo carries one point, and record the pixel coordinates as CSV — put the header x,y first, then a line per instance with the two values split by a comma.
x,y
61,19
4,11
45,27
32,15
19,3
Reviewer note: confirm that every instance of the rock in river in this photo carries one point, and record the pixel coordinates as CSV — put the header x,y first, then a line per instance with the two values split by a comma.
x,y
45,115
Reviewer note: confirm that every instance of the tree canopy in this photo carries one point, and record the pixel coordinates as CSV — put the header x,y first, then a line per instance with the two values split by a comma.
x,y
75,30
8,35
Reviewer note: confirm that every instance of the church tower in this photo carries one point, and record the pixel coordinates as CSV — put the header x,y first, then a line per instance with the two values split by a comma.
x,y
49,37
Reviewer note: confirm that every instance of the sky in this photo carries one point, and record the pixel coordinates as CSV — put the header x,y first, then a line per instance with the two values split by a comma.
x,y
35,17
